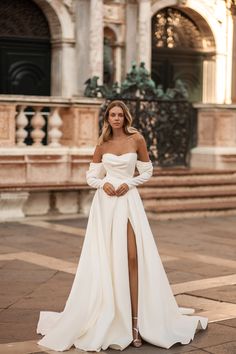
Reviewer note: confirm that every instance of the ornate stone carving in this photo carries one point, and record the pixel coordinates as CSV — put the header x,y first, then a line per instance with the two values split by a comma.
x,y
114,13
175,29
22,19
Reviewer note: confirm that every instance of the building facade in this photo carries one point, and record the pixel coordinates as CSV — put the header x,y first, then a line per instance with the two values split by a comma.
x,y
50,48
73,40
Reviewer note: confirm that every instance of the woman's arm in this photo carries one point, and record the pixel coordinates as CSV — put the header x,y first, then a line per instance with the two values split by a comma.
x,y
143,164
96,171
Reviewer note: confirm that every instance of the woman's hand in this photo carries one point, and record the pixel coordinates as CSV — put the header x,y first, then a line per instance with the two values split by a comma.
x,y
109,189
122,189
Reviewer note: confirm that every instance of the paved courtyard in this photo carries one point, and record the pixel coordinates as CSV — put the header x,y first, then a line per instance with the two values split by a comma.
x,y
39,258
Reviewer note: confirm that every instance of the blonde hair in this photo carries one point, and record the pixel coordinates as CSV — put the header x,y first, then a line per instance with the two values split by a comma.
x,y
107,129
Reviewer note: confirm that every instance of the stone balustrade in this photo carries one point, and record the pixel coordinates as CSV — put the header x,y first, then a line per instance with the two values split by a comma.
x,y
46,144
38,121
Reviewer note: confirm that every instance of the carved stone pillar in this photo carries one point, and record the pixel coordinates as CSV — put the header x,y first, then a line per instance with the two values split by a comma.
x,y
234,55
96,39
144,29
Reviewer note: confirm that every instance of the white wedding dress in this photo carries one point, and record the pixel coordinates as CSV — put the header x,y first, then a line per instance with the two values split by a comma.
x,y
97,314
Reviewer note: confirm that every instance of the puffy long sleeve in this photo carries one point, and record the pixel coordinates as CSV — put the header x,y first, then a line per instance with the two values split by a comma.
x,y
145,170
95,174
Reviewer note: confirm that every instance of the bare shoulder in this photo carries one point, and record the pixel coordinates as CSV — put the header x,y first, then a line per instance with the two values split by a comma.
x,y
138,137
142,147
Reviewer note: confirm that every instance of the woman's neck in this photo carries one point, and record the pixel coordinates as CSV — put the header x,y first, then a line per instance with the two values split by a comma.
x,y
118,133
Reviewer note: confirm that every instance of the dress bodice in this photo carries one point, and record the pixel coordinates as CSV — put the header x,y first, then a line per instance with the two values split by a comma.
x,y
119,166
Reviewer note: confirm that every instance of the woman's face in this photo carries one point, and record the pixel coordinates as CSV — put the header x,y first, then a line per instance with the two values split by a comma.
x,y
116,117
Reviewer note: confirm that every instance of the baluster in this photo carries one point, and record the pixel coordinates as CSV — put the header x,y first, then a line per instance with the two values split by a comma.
x,y
21,123
37,123
54,123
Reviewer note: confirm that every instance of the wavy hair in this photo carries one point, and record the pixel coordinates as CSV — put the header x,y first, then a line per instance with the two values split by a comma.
x,y
107,133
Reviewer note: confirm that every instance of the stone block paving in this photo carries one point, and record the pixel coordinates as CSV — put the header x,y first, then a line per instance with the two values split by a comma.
x,y
39,257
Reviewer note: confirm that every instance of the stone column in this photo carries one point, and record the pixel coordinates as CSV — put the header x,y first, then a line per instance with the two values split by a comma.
x,y
144,29
234,55
82,13
209,81
96,39
63,68
131,35
118,62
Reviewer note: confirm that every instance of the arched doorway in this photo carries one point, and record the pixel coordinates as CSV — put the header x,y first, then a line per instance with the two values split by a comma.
x,y
25,50
179,50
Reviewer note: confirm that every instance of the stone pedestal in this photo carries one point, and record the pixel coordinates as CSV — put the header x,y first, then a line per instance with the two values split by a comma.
x,y
67,202
38,203
11,205
85,200
216,147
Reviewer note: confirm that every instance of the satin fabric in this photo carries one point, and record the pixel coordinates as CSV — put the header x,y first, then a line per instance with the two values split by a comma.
x,y
97,313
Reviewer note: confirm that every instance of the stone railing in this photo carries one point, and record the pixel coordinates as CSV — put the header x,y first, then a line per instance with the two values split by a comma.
x,y
46,144
44,121
37,120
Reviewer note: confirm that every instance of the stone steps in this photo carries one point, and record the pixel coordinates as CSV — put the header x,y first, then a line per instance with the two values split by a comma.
x,y
189,193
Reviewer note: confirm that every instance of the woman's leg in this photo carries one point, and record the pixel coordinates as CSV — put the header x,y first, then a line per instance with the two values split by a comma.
x,y
133,273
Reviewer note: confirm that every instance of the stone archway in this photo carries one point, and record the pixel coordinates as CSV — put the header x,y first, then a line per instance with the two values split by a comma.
x,y
217,73
182,49
59,19
25,49
63,46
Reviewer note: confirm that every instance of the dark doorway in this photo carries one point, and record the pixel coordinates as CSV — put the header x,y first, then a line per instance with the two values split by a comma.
x,y
177,51
25,50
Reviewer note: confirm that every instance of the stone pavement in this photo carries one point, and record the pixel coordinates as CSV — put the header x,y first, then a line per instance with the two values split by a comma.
x,y
38,259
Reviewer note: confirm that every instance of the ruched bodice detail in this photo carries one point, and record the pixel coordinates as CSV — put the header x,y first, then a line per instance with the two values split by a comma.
x,y
119,166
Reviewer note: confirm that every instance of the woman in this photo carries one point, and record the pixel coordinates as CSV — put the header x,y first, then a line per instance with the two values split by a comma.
x,y
120,294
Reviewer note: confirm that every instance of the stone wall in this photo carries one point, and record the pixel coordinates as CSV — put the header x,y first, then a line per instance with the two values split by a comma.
x,y
216,147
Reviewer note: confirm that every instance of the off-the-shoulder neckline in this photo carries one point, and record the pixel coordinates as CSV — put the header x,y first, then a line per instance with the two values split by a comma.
x,y
126,153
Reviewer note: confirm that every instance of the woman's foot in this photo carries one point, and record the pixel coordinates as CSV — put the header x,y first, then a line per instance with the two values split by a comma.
x,y
137,341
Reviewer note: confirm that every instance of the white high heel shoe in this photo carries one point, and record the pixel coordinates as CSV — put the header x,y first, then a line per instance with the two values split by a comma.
x,y
137,342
